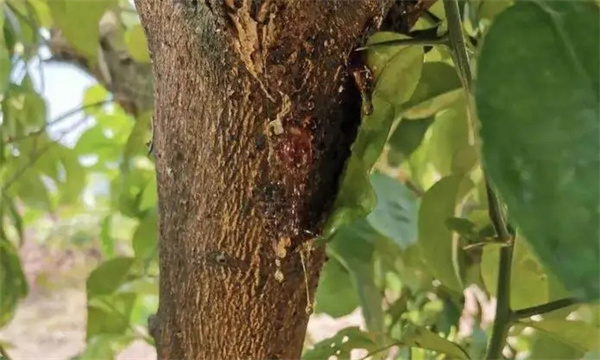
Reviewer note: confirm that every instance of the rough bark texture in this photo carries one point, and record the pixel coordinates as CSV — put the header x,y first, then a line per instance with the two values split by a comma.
x,y
254,118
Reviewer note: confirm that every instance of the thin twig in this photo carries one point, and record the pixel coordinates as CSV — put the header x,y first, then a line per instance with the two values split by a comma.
x,y
398,42
35,157
59,119
544,308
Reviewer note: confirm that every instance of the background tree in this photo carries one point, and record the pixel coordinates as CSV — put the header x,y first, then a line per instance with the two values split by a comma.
x,y
266,161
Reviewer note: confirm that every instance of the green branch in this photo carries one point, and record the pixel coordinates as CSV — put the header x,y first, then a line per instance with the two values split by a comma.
x,y
544,308
503,317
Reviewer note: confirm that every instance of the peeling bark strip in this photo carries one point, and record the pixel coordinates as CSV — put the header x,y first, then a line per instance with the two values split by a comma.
x,y
254,118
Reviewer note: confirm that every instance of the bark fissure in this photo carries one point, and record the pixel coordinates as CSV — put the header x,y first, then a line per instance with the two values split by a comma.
x,y
254,118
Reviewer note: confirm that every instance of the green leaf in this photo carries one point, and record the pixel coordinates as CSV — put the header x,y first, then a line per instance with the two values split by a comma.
x,y
108,276
105,346
150,195
145,237
336,295
93,141
342,344
539,107
5,67
438,87
13,284
406,138
400,76
136,142
578,334
378,57
107,241
528,283
25,109
351,338
395,215
353,247
544,347
79,23
438,245
92,97
135,39
39,156
141,286
416,336
8,205
356,198
109,314
449,148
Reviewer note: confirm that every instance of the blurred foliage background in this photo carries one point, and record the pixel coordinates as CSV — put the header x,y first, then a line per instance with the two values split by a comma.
x,y
414,261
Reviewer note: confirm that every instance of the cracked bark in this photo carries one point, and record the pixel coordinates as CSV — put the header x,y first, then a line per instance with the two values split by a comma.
x,y
254,118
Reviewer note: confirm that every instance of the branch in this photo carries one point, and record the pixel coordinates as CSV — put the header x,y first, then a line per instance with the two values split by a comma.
x,y
544,308
60,118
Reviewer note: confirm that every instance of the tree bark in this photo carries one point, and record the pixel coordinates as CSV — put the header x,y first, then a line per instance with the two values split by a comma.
x,y
254,118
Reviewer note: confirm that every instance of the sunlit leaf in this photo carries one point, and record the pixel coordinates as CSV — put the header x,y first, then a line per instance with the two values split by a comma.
x,y
378,57
544,347
578,334
529,282
149,196
438,245
145,237
406,138
136,43
107,241
449,147
93,97
79,22
399,78
438,87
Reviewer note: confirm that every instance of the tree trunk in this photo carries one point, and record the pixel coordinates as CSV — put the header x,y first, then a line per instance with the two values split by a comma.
x,y
254,118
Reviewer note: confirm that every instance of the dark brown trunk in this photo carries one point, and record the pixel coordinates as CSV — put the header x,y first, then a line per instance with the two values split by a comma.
x,y
254,117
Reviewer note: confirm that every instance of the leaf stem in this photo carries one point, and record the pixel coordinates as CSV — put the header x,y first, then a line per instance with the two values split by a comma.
x,y
544,308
